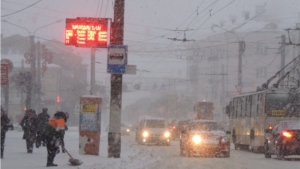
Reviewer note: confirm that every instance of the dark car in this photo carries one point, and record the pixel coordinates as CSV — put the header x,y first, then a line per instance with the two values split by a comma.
x,y
283,140
204,138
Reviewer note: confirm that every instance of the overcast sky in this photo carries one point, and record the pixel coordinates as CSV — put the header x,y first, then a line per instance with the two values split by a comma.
x,y
147,23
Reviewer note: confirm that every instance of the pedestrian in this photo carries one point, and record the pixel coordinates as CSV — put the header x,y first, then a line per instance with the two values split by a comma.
x,y
42,120
29,125
4,127
53,132
63,135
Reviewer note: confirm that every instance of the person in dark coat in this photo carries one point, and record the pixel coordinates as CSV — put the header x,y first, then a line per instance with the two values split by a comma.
x,y
4,127
63,136
42,120
22,122
29,125
53,132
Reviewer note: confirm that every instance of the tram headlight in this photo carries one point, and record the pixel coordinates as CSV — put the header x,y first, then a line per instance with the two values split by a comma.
x,y
197,139
145,134
167,134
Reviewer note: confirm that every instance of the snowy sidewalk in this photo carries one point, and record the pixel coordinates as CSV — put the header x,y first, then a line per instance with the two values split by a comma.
x,y
15,156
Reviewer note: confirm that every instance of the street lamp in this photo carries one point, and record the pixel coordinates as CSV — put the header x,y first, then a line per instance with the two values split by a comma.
x,y
33,60
239,86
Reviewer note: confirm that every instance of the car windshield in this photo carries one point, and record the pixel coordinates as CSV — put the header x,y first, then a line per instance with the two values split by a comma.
x,y
155,124
205,126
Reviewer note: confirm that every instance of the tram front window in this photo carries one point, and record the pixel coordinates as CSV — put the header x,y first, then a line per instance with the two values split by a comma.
x,y
276,103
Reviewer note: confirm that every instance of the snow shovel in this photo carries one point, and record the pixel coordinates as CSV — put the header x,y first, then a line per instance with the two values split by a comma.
x,y
73,162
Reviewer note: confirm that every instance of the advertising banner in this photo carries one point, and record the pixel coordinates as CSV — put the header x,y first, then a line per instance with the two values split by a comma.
x,y
89,125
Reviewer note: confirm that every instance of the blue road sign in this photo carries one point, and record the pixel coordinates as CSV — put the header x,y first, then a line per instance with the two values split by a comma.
x,y
117,59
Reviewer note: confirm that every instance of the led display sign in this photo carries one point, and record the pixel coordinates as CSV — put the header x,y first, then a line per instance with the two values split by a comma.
x,y
87,32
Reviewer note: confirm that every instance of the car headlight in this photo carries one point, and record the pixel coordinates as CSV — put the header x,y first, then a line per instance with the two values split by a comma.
x,y
145,134
197,139
167,134
127,130
224,139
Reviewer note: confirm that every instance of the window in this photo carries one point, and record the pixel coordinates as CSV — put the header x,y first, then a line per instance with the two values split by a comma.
x,y
261,49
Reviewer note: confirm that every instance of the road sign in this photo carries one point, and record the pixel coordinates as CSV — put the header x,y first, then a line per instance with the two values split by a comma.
x,y
9,62
77,109
117,59
130,69
4,74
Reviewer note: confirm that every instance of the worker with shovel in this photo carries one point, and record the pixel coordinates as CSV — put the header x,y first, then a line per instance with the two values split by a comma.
x,y
53,132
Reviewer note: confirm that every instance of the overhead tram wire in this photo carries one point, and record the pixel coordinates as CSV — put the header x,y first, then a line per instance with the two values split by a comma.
x,y
196,16
97,8
211,16
106,8
21,9
101,8
214,3
170,44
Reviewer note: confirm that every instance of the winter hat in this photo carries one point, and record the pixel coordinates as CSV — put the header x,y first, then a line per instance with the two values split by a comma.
x,y
60,114
45,109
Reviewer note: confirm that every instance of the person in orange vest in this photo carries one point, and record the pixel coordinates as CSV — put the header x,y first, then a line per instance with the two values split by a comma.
x,y
53,132
63,135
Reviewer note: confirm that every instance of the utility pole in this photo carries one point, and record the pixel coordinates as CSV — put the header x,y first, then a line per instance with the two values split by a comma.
x,y
241,51
223,93
21,92
114,135
32,71
93,60
282,52
39,85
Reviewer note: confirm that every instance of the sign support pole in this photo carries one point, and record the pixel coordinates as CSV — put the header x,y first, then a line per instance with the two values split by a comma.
x,y
93,51
114,134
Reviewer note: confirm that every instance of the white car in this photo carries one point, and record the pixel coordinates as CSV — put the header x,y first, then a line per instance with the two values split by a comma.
x,y
204,138
153,131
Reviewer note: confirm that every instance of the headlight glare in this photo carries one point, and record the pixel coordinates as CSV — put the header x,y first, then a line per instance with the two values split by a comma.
x,y
145,134
128,130
167,134
197,139
224,139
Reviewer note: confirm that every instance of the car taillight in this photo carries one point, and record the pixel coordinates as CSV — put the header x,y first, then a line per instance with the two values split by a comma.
x,y
287,134
174,127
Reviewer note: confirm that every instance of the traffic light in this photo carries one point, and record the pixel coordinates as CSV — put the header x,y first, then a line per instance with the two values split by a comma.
x,y
58,99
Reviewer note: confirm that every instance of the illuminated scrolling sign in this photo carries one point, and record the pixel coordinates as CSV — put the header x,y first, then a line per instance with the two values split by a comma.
x,y
87,32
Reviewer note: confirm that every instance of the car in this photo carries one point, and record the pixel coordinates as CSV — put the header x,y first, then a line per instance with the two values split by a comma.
x,y
283,140
125,130
153,131
204,138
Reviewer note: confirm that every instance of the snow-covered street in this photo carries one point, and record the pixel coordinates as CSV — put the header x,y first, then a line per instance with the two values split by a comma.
x,y
132,156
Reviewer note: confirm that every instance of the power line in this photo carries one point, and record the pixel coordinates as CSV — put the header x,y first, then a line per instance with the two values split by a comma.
x,y
106,8
211,16
97,7
22,9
